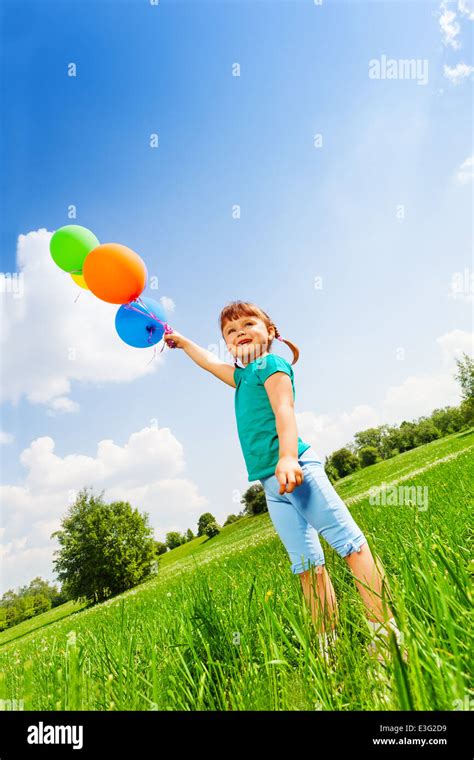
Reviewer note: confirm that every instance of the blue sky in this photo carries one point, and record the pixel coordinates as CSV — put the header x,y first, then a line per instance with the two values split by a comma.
x,y
381,212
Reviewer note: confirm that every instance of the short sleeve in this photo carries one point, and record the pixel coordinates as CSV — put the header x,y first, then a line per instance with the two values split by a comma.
x,y
270,364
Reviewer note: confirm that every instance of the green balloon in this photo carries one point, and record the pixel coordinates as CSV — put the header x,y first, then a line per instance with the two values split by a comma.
x,y
70,245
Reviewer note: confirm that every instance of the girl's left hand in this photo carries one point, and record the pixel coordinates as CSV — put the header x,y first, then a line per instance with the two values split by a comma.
x,y
289,474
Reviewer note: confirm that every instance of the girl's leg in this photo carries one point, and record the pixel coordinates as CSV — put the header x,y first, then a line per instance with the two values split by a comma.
x,y
317,500
304,549
374,586
373,590
319,594
318,509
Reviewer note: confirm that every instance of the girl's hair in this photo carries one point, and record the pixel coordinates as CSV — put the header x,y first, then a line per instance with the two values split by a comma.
x,y
238,309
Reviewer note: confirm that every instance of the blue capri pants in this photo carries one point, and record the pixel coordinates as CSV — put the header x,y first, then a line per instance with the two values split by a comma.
x,y
313,508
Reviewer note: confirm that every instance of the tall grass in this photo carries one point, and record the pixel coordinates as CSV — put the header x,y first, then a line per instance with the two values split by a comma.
x,y
225,626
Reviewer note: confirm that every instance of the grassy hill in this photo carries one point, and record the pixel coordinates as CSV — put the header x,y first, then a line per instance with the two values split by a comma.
x,y
223,626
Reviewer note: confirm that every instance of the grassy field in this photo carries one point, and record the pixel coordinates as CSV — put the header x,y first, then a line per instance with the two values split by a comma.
x,y
224,626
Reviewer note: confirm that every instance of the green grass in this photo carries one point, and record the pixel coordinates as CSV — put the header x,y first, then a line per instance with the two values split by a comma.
x,y
224,625
40,621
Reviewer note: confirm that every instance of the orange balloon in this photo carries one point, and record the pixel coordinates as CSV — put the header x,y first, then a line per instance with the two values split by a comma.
x,y
114,273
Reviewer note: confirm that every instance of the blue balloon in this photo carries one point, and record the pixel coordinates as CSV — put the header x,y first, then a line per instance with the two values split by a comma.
x,y
136,326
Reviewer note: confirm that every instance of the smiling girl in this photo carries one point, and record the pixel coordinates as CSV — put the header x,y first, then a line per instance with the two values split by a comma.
x,y
302,502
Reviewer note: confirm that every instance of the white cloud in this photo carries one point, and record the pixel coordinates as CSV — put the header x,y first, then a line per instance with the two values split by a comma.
x,y
327,433
63,404
448,20
168,304
148,471
450,28
53,333
454,344
5,437
16,544
465,9
419,395
457,73
416,396
465,173
20,567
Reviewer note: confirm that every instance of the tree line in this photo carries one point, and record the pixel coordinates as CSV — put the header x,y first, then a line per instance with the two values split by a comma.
x,y
386,441
28,601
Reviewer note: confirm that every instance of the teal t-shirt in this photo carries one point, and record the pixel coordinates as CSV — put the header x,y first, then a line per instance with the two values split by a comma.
x,y
256,423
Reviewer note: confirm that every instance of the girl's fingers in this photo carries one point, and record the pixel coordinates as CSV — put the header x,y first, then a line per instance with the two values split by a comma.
x,y
298,479
282,481
289,481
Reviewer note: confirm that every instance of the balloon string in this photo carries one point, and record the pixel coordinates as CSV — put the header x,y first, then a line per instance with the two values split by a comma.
x,y
148,311
154,354
167,327
76,271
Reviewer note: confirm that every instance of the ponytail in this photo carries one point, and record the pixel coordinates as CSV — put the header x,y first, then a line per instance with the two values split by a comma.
x,y
294,349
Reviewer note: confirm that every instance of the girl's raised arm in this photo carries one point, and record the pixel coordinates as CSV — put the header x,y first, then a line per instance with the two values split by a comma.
x,y
203,358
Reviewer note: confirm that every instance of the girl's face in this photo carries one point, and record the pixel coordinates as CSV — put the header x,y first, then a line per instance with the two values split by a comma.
x,y
247,338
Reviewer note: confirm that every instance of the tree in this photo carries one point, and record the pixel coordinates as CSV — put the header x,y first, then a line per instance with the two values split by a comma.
x,y
373,437
467,412
212,529
160,547
27,606
391,442
465,376
189,535
105,548
232,519
41,603
39,587
254,500
9,597
330,470
174,539
426,431
447,420
39,596
407,436
344,461
369,455
203,521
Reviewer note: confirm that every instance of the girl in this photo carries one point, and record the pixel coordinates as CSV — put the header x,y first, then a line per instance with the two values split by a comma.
x,y
302,502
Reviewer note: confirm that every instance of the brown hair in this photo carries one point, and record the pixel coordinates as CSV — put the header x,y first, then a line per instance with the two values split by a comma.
x,y
238,309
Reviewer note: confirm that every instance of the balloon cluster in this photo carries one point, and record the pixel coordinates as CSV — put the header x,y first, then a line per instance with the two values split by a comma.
x,y
116,274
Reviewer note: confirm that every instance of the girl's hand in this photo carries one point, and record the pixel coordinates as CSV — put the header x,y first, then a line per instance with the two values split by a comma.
x,y
289,473
178,339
